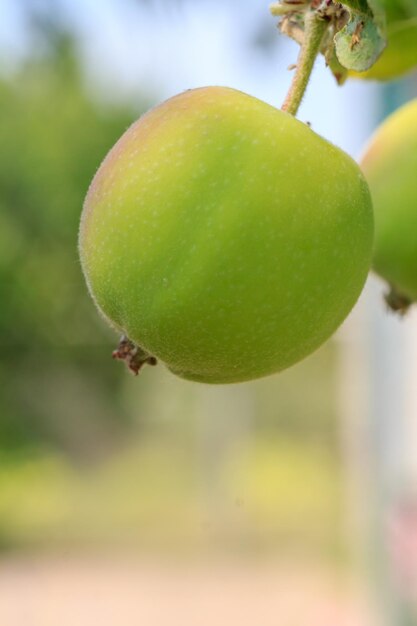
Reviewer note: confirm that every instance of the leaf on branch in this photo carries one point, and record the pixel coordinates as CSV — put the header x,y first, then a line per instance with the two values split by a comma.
x,y
359,6
378,11
292,29
359,44
283,7
339,72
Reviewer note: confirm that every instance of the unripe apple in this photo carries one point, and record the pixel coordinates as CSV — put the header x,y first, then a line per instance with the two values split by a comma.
x,y
225,237
390,166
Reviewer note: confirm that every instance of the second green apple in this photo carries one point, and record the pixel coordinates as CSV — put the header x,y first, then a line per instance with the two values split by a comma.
x,y
390,165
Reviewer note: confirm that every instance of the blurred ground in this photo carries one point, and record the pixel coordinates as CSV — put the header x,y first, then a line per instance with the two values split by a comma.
x,y
107,591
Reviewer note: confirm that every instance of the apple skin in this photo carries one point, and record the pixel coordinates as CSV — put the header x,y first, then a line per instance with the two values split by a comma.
x,y
389,163
400,55
225,237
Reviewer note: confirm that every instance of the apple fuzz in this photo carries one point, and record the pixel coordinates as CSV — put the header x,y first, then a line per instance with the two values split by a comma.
x,y
224,237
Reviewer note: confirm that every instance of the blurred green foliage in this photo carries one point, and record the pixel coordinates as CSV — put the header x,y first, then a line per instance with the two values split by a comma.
x,y
53,136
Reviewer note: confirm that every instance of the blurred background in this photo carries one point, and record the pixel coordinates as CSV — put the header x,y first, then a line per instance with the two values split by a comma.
x,y
290,500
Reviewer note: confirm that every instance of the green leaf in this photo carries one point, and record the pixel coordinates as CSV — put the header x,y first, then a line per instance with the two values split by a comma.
x,y
372,8
359,43
339,72
378,8
359,6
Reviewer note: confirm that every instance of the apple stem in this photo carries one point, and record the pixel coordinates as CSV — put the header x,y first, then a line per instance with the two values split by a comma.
x,y
315,27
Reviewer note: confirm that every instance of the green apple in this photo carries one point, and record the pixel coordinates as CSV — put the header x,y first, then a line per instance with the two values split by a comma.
x,y
390,166
225,237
